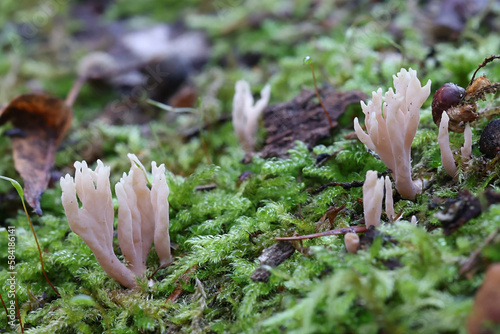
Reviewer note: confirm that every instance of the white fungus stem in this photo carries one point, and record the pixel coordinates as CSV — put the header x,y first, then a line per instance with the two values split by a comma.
x,y
466,150
373,193
444,144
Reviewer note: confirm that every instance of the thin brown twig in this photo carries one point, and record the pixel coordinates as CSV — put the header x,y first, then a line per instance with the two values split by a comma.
x,y
160,267
18,313
39,251
319,98
5,307
324,160
338,231
346,185
471,260
184,278
75,90
483,64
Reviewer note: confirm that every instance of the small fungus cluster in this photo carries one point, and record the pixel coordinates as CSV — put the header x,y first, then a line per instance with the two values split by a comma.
x,y
246,114
391,124
142,216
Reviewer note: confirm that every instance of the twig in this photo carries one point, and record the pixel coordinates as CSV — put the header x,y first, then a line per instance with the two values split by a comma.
x,y
166,107
75,90
178,290
483,64
308,60
39,251
206,187
160,267
328,157
346,185
18,313
338,231
319,98
5,307
467,266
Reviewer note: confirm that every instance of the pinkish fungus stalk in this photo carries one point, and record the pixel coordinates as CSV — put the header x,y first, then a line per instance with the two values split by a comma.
x,y
391,122
373,193
142,216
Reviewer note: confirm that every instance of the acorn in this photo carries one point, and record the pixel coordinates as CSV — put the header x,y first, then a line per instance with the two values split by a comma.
x,y
489,143
449,98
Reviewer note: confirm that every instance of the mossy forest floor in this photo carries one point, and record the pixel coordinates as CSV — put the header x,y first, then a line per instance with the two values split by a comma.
x,y
408,280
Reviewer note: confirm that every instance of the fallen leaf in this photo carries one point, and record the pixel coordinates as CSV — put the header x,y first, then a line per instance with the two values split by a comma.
x,y
303,119
486,309
40,123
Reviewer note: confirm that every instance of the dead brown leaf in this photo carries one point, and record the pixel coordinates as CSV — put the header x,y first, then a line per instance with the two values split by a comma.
x,y
303,119
40,123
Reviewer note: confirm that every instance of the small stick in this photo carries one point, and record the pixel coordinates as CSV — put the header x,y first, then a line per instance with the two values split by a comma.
x,y
75,90
5,307
483,64
39,252
308,60
18,313
346,185
338,231
467,266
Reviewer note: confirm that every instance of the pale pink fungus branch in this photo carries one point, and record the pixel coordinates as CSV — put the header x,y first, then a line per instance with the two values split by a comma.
x,y
373,193
93,222
389,200
391,123
142,216
444,144
466,150
246,115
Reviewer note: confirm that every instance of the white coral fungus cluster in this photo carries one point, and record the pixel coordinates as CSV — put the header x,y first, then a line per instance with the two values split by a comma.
x,y
391,123
373,193
142,216
444,145
246,114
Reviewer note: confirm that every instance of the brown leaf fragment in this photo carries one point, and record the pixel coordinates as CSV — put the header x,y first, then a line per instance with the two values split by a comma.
x,y
459,211
272,256
303,119
41,121
485,316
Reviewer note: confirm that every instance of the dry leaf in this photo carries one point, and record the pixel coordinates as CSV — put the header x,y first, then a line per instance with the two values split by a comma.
x,y
40,123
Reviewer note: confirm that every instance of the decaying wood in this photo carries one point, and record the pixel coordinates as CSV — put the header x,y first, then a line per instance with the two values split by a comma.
x,y
303,119
272,257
